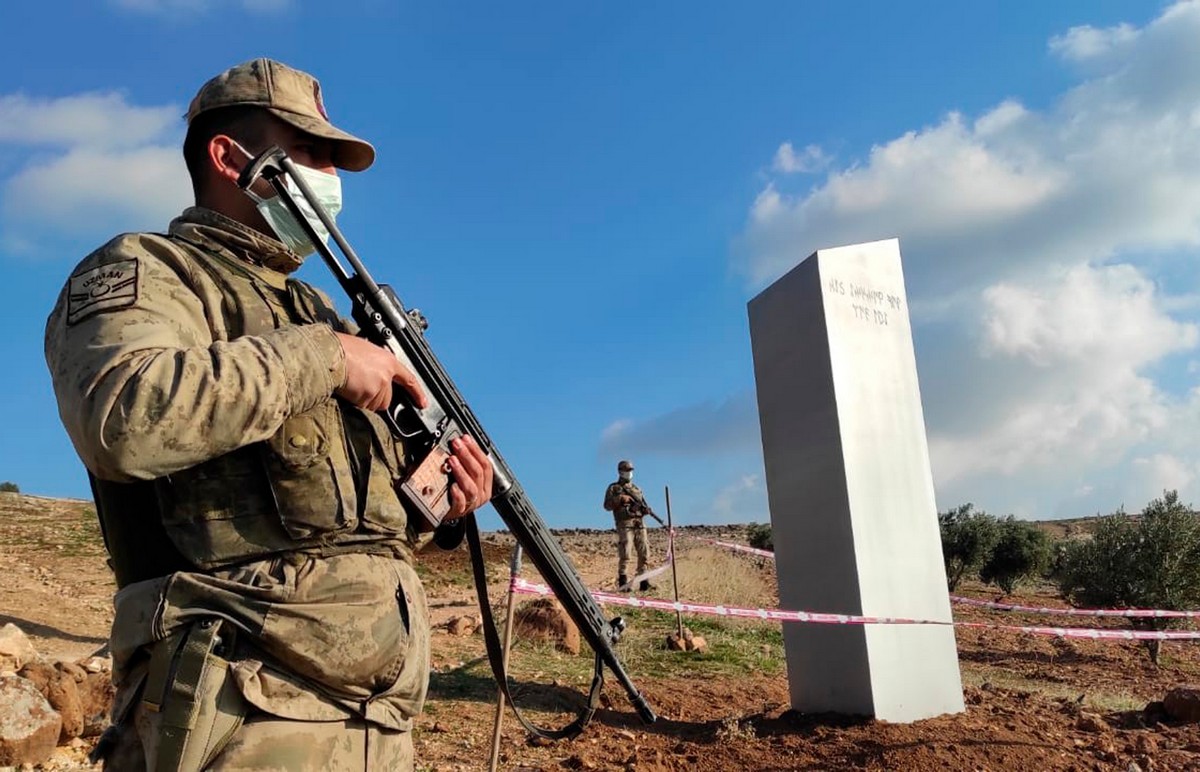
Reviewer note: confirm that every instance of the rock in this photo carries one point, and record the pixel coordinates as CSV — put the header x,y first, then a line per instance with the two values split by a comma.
x,y
72,669
1183,704
676,643
698,644
60,690
545,619
29,727
97,664
15,648
1146,745
461,626
95,700
1090,722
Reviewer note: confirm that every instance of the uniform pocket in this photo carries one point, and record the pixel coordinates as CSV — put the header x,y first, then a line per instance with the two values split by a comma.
x,y
309,471
383,511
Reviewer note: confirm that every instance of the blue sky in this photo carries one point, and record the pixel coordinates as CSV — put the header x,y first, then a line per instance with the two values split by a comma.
x,y
582,198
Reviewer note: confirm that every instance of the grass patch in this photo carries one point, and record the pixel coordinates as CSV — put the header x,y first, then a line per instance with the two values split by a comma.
x,y
735,647
1107,702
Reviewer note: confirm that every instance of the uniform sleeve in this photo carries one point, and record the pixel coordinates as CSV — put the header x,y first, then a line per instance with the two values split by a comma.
x,y
610,500
143,389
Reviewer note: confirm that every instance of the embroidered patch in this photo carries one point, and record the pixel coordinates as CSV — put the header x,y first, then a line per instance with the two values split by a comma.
x,y
102,289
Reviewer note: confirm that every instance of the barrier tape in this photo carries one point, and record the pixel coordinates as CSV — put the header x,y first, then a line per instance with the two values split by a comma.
x,y
523,586
737,547
1131,613
1155,613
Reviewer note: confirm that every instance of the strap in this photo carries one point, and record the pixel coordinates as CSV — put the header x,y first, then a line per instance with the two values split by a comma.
x,y
172,685
496,656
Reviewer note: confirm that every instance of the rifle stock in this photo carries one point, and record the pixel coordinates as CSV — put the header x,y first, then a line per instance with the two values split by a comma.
x,y
426,434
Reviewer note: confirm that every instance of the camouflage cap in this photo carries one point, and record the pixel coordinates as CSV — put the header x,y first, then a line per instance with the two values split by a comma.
x,y
624,465
290,95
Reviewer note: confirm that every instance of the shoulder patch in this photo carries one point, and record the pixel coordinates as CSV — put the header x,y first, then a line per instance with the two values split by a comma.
x,y
104,288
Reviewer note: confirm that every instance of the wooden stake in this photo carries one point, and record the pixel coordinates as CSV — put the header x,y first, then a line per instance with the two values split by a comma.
x,y
671,551
514,570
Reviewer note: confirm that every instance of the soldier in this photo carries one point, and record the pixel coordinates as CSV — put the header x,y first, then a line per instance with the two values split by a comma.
x,y
268,614
628,505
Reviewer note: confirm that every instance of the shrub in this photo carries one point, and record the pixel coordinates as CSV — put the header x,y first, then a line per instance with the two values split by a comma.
x,y
759,535
967,540
9,487
1021,551
1151,561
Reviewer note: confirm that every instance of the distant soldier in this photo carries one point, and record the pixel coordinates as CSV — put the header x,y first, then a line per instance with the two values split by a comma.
x,y
628,505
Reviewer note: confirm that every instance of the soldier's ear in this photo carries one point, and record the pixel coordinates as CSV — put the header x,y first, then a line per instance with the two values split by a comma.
x,y
226,157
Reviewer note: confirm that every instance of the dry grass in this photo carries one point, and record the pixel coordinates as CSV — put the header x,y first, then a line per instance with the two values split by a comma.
x,y
712,575
1100,700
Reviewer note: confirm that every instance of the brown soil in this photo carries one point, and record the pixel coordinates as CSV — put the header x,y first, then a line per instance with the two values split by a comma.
x,y
1030,699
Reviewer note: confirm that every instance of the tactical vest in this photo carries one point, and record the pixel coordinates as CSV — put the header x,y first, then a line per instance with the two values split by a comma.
x,y
324,483
629,489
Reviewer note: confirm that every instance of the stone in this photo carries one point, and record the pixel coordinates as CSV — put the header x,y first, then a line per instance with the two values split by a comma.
x,y
29,727
95,701
676,643
97,664
850,488
15,648
461,626
1183,704
544,619
61,691
1090,722
698,644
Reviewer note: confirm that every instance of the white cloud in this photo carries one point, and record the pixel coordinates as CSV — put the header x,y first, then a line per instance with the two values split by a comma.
x,y
1091,317
83,120
810,159
1107,169
1068,401
1082,44
707,428
742,501
1050,358
95,166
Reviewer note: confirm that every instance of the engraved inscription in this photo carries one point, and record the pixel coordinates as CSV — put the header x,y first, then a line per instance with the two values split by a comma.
x,y
868,303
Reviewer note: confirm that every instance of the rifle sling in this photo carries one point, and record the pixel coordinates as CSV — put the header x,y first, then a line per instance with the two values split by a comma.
x,y
496,655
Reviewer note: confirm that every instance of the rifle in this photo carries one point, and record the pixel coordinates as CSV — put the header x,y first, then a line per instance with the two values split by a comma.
x,y
638,506
426,435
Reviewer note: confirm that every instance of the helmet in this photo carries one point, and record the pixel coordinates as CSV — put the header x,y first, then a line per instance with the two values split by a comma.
x,y
625,465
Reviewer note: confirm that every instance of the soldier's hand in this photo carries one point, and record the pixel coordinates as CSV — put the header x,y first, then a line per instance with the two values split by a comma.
x,y
472,486
370,373
625,500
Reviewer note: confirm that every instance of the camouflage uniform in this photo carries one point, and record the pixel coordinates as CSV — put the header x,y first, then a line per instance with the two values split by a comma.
x,y
268,612
630,528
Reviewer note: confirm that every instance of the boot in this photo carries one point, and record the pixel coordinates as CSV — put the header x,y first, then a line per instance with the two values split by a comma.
x,y
645,586
622,580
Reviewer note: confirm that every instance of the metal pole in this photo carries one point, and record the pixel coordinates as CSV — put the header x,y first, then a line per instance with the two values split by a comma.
x,y
671,551
514,567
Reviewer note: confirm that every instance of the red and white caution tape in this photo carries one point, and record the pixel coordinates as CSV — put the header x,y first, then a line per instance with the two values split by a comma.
x,y
1154,613
523,586
737,547
1131,613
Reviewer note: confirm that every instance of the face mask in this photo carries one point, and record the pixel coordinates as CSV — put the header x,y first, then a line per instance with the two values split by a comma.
x,y
625,476
327,188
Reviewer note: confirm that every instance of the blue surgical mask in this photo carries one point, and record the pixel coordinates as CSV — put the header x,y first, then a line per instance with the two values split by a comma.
x,y
327,188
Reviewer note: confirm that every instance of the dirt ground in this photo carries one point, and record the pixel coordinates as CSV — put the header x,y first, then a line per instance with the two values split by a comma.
x,y
1033,703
